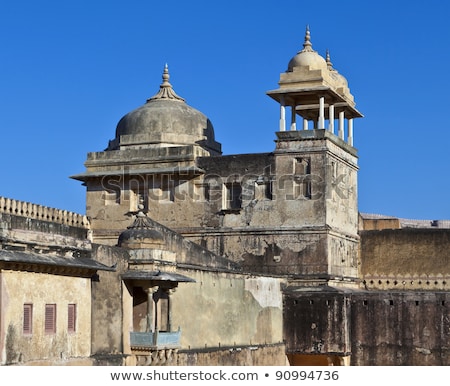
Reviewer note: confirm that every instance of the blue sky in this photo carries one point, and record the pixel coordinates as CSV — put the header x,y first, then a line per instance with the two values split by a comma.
x,y
69,70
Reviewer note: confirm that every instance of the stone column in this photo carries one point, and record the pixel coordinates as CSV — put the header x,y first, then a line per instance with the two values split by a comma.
x,y
150,309
341,124
293,118
305,124
331,119
321,113
350,132
169,308
282,115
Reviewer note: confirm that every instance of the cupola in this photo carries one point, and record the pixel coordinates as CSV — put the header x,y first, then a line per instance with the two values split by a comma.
x,y
316,92
165,120
141,234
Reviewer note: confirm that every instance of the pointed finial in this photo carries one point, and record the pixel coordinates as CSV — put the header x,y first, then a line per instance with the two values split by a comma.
x,y
141,207
307,46
329,64
166,76
165,90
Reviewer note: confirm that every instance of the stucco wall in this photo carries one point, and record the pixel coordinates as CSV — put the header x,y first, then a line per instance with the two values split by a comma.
x,y
222,309
39,289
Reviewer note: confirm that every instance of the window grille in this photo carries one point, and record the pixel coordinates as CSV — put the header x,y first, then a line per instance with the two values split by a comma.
x,y
27,319
50,319
71,317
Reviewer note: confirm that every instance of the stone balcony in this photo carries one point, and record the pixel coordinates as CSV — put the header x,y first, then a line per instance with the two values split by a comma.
x,y
154,340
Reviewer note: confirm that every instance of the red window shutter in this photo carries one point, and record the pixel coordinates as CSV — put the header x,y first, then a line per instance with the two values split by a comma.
x,y
71,317
28,319
50,318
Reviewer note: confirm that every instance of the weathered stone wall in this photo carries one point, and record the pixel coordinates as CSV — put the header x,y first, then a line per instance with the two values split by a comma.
x,y
42,234
371,224
372,327
107,298
267,355
408,258
400,328
316,321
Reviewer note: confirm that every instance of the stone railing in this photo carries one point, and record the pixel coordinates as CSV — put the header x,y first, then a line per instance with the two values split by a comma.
x,y
44,213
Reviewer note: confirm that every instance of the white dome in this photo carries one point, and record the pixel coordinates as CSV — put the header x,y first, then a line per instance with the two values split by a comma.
x,y
309,59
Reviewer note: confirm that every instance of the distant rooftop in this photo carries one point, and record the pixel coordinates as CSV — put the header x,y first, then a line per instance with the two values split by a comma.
x,y
408,223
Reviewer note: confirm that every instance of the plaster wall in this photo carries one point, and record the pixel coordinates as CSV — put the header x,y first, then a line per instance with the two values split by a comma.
x,y
39,289
210,311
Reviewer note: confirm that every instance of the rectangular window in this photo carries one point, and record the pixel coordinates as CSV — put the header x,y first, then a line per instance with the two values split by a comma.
x,y
50,319
302,178
71,317
233,196
27,319
263,189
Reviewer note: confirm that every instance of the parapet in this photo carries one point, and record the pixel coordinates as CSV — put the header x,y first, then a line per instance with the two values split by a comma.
x,y
43,213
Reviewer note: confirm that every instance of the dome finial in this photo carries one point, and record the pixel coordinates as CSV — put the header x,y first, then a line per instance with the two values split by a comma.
x,y
165,90
166,76
307,45
328,60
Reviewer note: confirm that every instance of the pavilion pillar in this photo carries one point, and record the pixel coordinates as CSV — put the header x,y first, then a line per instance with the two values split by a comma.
x,y
350,132
293,118
321,123
150,309
305,124
282,115
331,119
341,124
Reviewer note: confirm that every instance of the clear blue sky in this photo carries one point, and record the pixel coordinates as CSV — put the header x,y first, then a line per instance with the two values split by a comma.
x,y
69,70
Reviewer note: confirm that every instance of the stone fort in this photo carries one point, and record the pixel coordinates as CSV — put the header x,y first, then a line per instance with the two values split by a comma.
x,y
186,256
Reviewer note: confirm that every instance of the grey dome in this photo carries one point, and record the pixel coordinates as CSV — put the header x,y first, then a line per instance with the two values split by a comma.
x,y
167,120
141,234
166,116
132,238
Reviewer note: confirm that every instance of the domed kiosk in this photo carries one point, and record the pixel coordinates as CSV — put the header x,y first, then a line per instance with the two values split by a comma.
x,y
165,120
316,92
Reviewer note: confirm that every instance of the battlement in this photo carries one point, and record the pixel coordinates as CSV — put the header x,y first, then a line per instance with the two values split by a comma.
x,y
43,213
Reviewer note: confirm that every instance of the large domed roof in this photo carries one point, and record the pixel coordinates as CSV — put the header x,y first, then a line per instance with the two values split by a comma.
x,y
166,120
307,57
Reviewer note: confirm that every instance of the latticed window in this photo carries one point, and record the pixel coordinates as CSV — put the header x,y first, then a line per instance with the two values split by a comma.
x,y
71,317
28,319
50,319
